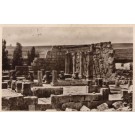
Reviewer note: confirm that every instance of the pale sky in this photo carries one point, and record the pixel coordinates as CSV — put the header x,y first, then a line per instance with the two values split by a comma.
x,y
66,35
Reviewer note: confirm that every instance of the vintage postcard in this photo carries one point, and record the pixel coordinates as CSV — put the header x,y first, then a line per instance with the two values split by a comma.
x,y
67,68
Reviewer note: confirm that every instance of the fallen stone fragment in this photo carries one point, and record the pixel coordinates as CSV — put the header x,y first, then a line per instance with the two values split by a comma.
x,y
94,110
124,109
70,109
102,107
110,110
117,104
72,105
84,108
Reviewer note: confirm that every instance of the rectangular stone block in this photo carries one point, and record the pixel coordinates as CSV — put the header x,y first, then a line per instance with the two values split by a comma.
x,y
42,92
58,100
93,97
4,85
5,78
70,83
18,86
13,103
30,100
26,89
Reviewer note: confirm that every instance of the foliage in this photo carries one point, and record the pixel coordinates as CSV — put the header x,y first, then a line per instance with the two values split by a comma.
x,y
5,60
31,55
17,56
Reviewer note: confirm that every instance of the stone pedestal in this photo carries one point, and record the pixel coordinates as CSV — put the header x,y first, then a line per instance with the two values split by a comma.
x,y
105,93
89,86
18,86
26,89
13,84
40,78
54,77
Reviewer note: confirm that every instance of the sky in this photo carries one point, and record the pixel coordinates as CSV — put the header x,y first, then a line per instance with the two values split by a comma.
x,y
31,36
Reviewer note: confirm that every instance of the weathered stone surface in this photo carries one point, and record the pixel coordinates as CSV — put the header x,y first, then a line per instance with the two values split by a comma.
x,y
54,77
4,85
13,84
40,78
70,110
94,110
18,86
126,109
58,100
8,82
71,83
26,89
72,105
30,100
117,104
12,103
5,78
105,93
102,107
42,92
84,108
110,110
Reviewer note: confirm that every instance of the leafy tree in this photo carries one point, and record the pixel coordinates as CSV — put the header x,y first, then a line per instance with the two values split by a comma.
x,y
29,59
31,55
17,56
5,60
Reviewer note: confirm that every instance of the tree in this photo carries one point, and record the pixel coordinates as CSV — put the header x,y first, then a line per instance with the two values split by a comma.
x,y
31,55
17,56
29,59
5,60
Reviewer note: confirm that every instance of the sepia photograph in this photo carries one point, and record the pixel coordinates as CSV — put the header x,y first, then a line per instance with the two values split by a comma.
x,y
67,68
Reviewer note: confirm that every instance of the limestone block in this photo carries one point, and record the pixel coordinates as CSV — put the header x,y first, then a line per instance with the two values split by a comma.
x,y
102,107
5,73
93,97
72,105
5,78
30,100
4,85
8,82
40,78
26,89
105,93
117,104
13,84
13,102
70,110
84,108
18,86
42,92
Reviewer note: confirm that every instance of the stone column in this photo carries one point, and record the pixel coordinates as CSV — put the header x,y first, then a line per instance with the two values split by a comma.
x,y
74,63
90,65
54,77
81,65
40,78
67,63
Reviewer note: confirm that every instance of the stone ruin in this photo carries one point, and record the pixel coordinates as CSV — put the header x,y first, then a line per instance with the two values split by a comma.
x,y
84,86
